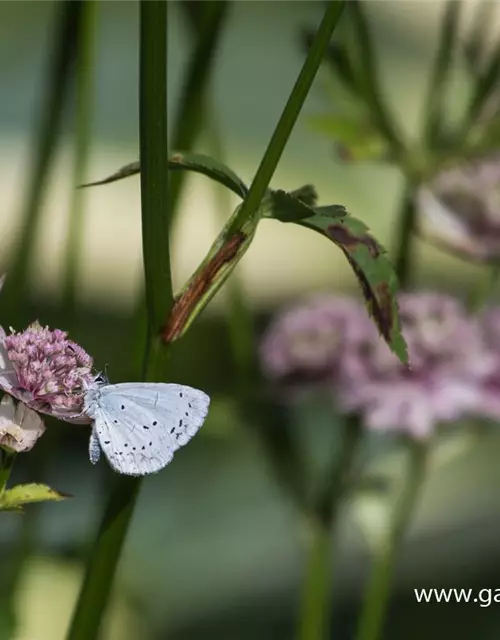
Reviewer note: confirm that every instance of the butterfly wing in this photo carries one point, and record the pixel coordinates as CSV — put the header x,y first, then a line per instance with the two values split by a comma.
x,y
140,425
180,410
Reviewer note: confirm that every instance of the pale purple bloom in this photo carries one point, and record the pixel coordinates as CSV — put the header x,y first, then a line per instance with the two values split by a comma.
x,y
447,354
46,371
460,209
306,343
20,427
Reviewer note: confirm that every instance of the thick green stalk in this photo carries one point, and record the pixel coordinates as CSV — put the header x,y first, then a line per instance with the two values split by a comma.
x,y
269,162
315,610
82,124
188,122
373,612
59,76
107,549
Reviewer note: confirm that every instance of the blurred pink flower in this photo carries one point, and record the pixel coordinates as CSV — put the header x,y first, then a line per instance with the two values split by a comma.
x,y
20,427
460,209
306,344
46,371
449,361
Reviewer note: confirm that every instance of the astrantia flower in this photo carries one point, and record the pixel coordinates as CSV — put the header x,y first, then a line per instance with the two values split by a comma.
x,y
305,344
20,427
46,371
448,363
460,209
447,354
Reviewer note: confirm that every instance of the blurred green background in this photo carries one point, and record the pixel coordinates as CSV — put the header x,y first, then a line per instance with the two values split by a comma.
x,y
214,550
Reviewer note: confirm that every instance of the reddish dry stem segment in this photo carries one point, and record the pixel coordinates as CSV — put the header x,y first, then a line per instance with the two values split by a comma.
x,y
184,305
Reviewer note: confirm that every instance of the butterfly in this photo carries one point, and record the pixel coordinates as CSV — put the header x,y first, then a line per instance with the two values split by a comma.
x,y
139,425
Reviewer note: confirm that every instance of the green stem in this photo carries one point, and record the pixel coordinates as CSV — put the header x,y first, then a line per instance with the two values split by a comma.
x,y
187,124
367,71
406,222
376,600
8,459
107,549
439,76
83,116
58,85
315,610
260,183
192,102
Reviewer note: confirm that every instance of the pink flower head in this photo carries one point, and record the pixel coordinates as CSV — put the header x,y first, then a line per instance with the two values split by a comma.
x,y
446,348
20,427
448,363
305,344
46,371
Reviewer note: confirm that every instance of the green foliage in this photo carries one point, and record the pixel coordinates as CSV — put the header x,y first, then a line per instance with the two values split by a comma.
x,y
14,499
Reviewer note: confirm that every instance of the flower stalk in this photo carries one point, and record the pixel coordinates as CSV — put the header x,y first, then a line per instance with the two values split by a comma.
x,y
315,609
374,610
108,546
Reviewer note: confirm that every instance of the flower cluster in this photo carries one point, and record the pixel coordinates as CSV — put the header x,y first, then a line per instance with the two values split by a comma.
x,y
47,373
455,361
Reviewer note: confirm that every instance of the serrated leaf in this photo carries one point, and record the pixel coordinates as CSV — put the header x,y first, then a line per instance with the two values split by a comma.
x,y
287,207
366,256
14,499
197,162
355,139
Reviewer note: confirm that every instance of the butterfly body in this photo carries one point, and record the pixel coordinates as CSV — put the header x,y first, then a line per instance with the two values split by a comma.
x,y
139,426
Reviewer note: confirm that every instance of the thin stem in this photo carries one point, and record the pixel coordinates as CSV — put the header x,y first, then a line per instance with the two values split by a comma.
x,y
239,317
107,549
315,609
404,236
369,80
188,120
291,112
83,117
8,459
373,612
438,83
59,75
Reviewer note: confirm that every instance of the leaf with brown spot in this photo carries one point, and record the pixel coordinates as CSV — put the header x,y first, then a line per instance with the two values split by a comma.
x,y
366,256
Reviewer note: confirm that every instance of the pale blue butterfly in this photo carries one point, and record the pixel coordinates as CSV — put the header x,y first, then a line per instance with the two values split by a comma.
x,y
139,425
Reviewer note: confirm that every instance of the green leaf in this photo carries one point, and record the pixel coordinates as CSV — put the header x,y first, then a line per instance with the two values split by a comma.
x,y
366,256
196,162
14,499
356,139
287,207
